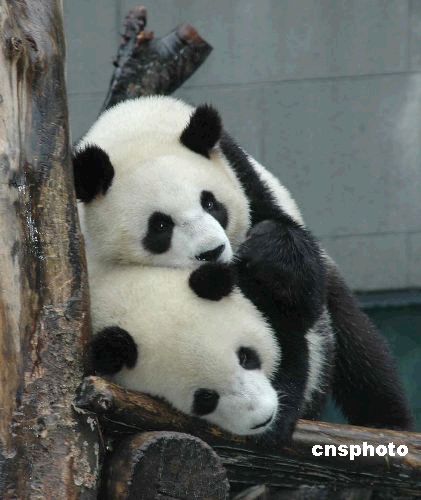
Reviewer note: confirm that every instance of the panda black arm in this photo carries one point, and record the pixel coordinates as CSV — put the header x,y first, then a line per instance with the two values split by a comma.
x,y
290,327
282,264
366,383
281,255
262,204
110,350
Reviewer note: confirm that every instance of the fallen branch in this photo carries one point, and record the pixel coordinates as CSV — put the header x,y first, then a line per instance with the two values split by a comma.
x,y
146,65
121,411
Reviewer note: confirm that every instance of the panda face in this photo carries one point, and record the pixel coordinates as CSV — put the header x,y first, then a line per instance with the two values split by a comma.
x,y
171,200
185,218
230,389
165,212
213,360
249,407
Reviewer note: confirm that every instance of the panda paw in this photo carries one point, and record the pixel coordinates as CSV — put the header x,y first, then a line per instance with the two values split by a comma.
x,y
110,350
212,281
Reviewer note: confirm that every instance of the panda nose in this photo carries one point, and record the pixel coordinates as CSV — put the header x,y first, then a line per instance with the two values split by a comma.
x,y
211,255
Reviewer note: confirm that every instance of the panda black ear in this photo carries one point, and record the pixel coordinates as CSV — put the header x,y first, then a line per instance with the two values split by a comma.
x,y
203,130
93,172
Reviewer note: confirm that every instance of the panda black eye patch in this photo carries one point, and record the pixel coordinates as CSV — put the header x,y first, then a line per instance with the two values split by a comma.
x,y
249,359
205,401
215,208
159,235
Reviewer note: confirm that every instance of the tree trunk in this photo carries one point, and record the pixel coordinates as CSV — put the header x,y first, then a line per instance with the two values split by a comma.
x,y
44,321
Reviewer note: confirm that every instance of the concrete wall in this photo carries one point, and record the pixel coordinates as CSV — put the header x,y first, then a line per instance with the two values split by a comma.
x,y
325,93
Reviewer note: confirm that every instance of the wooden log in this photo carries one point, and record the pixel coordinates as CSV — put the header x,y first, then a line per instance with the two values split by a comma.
x,y
145,65
248,462
125,412
309,493
164,465
44,322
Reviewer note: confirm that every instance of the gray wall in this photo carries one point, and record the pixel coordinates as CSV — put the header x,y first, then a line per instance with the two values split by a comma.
x,y
325,93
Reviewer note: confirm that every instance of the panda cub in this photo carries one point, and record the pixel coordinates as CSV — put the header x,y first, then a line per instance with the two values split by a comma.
x,y
149,200
164,185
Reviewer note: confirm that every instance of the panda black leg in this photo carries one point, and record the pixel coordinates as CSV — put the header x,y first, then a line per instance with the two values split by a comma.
x,y
110,350
289,382
212,281
366,382
281,264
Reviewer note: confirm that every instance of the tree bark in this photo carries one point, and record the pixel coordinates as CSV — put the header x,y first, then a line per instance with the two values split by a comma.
x,y
249,463
164,465
146,66
44,322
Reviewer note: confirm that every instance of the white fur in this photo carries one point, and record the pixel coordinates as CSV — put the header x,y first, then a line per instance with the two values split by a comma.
x,y
320,340
187,343
155,172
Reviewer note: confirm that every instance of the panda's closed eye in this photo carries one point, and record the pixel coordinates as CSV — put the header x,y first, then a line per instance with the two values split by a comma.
x,y
205,401
248,358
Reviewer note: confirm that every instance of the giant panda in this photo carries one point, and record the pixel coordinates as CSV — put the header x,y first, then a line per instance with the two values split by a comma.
x,y
211,355
163,184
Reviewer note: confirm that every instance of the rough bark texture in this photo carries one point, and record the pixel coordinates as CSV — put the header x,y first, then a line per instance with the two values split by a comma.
x,y
146,66
44,324
164,465
247,463
262,492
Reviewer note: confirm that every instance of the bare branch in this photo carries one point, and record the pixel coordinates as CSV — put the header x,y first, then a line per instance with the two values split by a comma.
x,y
146,65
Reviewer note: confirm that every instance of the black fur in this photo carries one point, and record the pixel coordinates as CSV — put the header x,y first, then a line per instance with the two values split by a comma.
x,y
286,267
281,270
159,235
365,381
110,350
291,376
285,256
203,130
214,208
93,173
366,384
262,204
212,281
